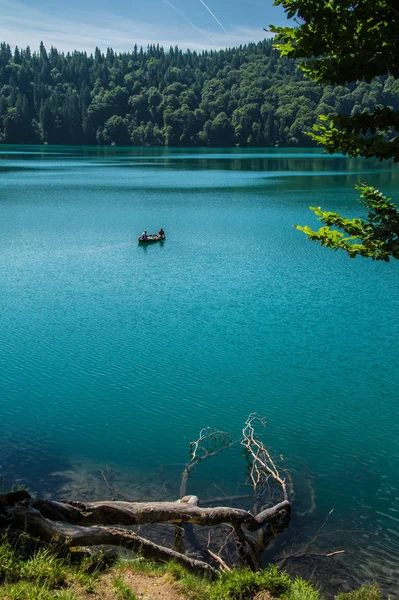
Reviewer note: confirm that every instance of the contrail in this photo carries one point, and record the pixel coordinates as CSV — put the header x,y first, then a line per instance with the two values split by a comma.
x,y
188,21
216,19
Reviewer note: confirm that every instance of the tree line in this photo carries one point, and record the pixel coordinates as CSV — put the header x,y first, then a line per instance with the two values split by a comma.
x,y
244,96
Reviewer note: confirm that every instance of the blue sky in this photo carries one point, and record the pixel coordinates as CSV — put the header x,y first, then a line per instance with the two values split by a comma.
x,y
85,24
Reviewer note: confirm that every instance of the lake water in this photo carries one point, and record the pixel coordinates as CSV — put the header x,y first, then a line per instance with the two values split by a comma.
x,y
113,356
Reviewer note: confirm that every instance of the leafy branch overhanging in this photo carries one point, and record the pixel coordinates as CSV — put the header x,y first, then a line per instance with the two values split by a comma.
x,y
338,42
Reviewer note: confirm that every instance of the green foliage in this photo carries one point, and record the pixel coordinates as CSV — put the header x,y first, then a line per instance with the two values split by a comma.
x,y
243,584
244,96
24,590
302,590
362,134
40,575
10,562
341,40
44,566
337,42
45,576
366,592
376,238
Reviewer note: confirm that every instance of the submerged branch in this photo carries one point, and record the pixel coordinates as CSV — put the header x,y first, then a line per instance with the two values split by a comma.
x,y
72,523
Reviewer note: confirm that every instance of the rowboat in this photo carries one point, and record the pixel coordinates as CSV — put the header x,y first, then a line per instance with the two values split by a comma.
x,y
151,238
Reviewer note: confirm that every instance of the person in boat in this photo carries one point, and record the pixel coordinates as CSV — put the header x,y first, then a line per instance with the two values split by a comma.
x,y
161,233
144,235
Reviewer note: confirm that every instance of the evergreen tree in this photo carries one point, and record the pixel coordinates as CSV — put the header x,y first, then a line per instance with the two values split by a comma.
x,y
245,96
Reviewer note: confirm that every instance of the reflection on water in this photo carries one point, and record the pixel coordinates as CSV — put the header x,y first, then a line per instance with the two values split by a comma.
x,y
234,159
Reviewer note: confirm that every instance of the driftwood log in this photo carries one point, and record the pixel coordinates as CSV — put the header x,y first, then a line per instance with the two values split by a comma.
x,y
77,524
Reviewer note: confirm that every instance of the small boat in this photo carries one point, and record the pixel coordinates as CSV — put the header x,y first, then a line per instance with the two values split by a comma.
x,y
151,238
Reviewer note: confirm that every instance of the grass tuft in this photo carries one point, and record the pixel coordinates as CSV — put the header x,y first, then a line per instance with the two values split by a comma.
x,y
122,590
10,562
44,566
193,586
39,575
243,584
302,590
24,590
141,565
366,592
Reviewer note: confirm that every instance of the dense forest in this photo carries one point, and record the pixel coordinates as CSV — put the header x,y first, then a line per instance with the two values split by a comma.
x,y
245,96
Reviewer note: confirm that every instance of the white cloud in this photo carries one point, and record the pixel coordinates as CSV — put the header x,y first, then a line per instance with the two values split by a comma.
x,y
21,25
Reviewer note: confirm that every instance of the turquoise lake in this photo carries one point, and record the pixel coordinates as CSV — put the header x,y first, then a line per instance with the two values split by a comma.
x,y
113,356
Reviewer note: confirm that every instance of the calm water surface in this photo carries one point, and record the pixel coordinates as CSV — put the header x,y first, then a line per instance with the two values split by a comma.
x,y
113,356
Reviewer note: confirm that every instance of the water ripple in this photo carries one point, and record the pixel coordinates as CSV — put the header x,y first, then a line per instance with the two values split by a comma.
x,y
114,353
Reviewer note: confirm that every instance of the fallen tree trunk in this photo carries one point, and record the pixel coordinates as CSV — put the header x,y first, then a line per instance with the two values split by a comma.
x,y
139,513
31,521
73,524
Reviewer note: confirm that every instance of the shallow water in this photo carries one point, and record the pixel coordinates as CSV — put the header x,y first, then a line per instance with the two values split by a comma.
x,y
117,354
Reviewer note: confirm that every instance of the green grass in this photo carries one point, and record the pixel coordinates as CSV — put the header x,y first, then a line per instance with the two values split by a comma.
x,y
242,584
302,590
142,565
45,567
9,562
366,592
27,573
26,590
41,574
122,590
193,586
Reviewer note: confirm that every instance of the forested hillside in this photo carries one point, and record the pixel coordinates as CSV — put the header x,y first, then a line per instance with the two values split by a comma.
x,y
246,96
